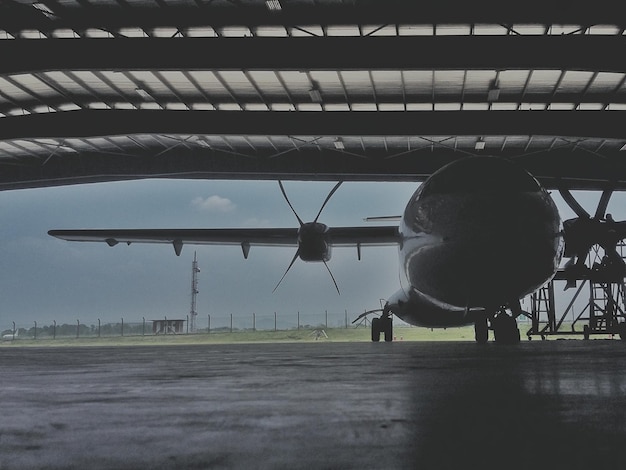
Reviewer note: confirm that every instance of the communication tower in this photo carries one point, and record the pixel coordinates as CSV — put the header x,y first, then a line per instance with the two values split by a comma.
x,y
194,293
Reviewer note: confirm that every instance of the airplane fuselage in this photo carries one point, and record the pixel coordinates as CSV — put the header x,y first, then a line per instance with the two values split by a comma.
x,y
478,234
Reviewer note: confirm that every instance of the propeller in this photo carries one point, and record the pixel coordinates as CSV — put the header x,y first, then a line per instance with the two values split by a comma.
x,y
312,242
583,232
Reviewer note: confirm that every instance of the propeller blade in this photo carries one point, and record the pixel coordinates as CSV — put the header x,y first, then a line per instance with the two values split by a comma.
x,y
282,189
573,203
332,277
295,257
604,202
328,199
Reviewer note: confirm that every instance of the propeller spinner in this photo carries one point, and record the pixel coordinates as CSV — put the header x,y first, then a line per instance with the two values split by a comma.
x,y
313,243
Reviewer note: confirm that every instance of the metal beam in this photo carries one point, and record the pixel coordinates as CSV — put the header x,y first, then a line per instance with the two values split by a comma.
x,y
92,123
574,169
575,52
19,16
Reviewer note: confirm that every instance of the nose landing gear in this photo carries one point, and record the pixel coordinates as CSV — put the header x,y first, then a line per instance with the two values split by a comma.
x,y
504,326
384,325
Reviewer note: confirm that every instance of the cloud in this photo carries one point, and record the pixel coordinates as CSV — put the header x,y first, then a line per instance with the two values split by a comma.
x,y
256,222
214,204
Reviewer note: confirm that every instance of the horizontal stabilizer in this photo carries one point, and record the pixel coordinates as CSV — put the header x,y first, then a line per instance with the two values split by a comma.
x,y
384,218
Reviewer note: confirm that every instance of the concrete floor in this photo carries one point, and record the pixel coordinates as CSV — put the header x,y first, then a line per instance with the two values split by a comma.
x,y
553,404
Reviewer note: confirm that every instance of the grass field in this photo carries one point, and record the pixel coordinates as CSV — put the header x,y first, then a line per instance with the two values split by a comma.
x,y
293,336
248,336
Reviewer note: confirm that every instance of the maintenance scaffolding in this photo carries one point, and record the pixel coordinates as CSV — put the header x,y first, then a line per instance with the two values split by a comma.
x,y
603,310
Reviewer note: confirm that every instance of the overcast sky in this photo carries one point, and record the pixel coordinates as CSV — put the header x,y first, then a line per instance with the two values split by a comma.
x,y
45,279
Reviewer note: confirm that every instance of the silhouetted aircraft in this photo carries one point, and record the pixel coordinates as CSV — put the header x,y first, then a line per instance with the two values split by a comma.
x,y
10,336
476,237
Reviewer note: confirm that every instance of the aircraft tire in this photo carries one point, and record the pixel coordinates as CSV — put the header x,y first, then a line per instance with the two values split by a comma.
x,y
376,330
481,331
387,328
505,330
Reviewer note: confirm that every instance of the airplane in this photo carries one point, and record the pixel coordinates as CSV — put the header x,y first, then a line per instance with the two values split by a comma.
x,y
10,336
477,236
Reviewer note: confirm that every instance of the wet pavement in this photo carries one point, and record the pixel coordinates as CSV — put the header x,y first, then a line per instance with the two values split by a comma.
x,y
552,404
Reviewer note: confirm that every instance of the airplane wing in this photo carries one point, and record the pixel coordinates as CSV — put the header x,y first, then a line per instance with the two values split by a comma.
x,y
246,237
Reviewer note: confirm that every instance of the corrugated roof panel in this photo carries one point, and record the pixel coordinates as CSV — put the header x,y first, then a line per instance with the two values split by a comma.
x,y
489,29
28,82
418,82
453,30
306,31
606,82
529,29
240,85
149,82
235,31
64,33
479,81
416,29
357,82
512,81
341,30
377,30
97,33
201,32
449,82
270,31
559,29
542,81
133,32
575,81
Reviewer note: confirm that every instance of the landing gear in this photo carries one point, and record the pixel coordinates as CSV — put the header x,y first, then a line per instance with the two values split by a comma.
x,y
384,325
504,326
481,330
505,330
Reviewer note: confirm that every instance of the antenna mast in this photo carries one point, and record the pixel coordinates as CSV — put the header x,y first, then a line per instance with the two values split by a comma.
x,y
194,293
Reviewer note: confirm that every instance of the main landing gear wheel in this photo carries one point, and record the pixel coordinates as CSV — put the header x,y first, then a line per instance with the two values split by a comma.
x,y
481,330
382,325
505,330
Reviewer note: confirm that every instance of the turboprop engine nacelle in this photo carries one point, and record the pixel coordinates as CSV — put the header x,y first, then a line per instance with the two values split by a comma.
x,y
313,242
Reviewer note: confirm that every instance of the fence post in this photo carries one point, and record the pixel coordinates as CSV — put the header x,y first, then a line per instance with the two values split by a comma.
x,y
209,328
346,311
122,326
54,329
143,327
326,321
231,322
187,324
99,328
14,330
77,328
35,330
275,321
298,319
253,321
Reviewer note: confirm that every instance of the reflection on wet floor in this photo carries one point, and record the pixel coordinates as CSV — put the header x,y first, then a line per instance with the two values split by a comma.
x,y
558,404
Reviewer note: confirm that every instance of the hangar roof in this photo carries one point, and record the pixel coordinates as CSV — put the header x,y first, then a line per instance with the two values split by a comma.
x,y
97,90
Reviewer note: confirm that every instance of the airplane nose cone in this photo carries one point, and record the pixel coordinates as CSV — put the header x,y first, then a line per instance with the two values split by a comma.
x,y
498,232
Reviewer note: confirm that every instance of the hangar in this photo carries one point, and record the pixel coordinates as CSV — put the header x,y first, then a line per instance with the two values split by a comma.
x,y
307,89
94,91
105,90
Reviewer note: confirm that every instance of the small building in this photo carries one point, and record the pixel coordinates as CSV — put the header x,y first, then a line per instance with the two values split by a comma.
x,y
168,327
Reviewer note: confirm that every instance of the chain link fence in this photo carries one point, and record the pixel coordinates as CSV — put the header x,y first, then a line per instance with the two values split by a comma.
x,y
204,324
